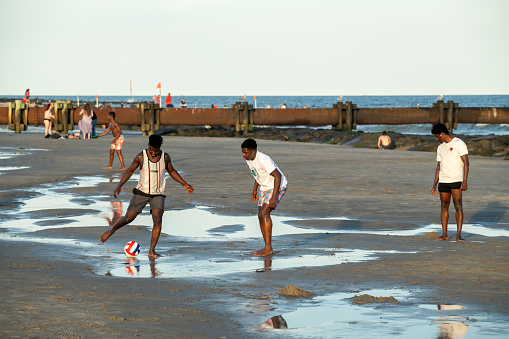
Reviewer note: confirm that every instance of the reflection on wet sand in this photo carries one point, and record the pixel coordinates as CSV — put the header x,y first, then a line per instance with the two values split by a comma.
x,y
132,266
267,264
451,329
276,321
448,329
116,208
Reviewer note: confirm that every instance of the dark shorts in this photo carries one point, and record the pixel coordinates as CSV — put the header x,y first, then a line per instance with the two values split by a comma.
x,y
446,187
138,202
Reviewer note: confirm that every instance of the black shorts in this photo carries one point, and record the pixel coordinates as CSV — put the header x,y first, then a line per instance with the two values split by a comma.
x,y
446,187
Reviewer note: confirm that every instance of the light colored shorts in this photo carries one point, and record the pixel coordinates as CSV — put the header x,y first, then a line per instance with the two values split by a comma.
x,y
264,196
118,145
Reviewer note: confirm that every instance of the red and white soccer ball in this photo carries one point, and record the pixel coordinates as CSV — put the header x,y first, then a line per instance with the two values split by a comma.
x,y
132,248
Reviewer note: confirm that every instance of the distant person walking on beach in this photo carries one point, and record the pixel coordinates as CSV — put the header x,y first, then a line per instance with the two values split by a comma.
x,y
116,143
451,177
48,115
26,97
183,103
168,101
269,187
384,141
85,124
151,184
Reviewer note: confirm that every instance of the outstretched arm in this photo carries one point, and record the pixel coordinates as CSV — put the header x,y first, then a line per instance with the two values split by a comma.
x,y
175,175
466,164
106,132
437,172
128,173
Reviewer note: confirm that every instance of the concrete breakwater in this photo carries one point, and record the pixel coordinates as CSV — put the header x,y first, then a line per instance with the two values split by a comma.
x,y
242,117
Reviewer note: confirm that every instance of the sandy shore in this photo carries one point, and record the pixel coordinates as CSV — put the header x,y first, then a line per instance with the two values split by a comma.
x,y
59,282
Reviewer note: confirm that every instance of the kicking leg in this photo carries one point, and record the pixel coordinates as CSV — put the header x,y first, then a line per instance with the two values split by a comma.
x,y
266,228
157,218
445,199
121,222
458,205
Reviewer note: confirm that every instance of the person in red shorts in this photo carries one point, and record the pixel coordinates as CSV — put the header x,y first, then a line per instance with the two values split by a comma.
x,y
116,143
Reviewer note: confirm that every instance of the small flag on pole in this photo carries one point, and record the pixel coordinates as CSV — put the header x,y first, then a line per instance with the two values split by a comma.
x,y
158,85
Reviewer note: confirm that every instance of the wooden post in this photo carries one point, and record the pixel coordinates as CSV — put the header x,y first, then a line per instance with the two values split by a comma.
x,y
151,121
348,115
142,112
456,113
251,118
17,116
450,115
354,116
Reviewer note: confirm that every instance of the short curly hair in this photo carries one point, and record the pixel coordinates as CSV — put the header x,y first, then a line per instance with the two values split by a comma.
x,y
439,129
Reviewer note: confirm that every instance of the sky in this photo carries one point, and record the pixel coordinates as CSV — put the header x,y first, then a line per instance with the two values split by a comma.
x,y
254,47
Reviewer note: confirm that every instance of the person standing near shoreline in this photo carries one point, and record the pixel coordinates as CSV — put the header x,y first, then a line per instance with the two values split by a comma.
x,y
85,124
168,101
116,143
48,115
151,184
451,176
26,97
268,180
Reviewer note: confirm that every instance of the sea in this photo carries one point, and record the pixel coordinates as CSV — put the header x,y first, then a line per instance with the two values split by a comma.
x,y
301,101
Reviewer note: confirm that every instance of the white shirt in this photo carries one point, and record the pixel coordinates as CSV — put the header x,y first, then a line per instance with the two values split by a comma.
x,y
451,165
261,167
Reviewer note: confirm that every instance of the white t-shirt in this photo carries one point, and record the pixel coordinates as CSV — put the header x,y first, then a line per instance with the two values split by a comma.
x,y
261,167
451,165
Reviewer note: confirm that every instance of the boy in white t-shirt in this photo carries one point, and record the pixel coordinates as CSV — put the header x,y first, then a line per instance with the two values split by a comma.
x,y
268,179
451,176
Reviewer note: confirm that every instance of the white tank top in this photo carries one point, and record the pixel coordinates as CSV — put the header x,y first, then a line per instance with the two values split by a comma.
x,y
152,175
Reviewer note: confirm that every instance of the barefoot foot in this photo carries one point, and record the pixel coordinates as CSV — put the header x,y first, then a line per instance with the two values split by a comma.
x,y
121,169
442,237
106,235
108,167
154,255
263,252
459,238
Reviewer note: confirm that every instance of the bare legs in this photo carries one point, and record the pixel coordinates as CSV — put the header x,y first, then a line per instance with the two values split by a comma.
x,y
157,218
120,157
445,199
47,127
266,228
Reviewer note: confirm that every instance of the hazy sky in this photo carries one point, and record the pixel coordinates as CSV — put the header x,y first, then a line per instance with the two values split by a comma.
x,y
254,47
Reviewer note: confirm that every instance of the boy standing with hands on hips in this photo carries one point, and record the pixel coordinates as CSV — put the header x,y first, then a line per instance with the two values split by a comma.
x,y
269,187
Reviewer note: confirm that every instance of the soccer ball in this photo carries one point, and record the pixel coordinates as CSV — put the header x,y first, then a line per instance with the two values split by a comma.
x,y
132,248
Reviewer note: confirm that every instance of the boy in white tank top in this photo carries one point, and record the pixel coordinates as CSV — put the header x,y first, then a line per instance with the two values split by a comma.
x,y
150,189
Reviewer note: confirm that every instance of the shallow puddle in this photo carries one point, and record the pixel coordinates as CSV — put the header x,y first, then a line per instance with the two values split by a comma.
x,y
60,203
180,265
11,152
335,313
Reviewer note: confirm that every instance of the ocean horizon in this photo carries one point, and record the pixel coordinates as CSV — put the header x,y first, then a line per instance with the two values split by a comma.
x,y
293,101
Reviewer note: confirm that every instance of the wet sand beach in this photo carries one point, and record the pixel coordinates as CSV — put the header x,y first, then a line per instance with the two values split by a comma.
x,y
353,221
